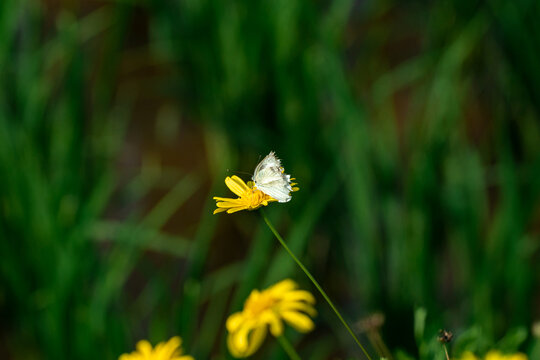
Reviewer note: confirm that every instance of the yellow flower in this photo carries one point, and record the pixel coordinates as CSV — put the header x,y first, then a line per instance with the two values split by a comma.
x,y
467,355
169,350
249,198
494,355
268,308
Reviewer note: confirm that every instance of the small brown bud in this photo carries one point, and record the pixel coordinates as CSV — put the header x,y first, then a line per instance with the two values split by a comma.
x,y
445,336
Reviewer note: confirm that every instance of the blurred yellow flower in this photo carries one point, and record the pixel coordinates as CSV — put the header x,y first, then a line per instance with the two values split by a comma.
x,y
169,350
249,197
467,355
494,355
268,308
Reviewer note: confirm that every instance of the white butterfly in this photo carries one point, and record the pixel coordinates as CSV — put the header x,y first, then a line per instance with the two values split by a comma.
x,y
269,177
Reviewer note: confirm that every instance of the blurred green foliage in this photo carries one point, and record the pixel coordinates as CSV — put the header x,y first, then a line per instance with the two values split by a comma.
x,y
412,127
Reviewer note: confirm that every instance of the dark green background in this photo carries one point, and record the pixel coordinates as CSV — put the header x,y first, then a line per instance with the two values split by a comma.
x,y
412,127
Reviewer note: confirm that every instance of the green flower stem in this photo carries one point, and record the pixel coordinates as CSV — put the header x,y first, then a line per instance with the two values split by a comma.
x,y
446,352
308,274
289,349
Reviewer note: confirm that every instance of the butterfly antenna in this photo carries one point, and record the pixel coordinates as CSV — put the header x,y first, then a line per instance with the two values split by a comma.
x,y
239,172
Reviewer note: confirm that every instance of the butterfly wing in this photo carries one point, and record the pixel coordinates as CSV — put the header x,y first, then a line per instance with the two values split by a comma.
x,y
278,189
270,179
269,167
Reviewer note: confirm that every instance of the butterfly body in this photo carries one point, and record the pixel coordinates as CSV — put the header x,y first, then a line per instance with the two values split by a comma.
x,y
269,177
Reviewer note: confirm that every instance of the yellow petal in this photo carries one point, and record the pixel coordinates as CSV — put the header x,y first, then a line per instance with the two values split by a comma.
x,y
144,347
255,340
298,321
236,209
160,351
276,325
171,347
240,336
283,286
517,357
494,355
237,185
298,306
234,321
232,346
299,295
232,203
467,355
229,206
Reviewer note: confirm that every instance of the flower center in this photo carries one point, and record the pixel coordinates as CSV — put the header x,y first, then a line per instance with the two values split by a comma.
x,y
255,197
259,303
